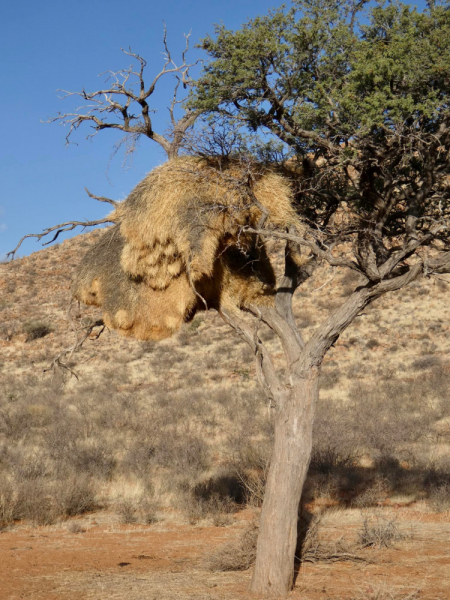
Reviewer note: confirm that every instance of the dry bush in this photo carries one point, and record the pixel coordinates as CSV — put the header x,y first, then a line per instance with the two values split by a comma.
x,y
439,497
35,502
76,527
42,501
8,503
92,459
148,510
426,362
36,329
127,510
314,549
139,459
334,438
375,592
391,416
375,493
249,464
75,496
379,532
142,509
236,555
329,379
372,343
183,452
215,499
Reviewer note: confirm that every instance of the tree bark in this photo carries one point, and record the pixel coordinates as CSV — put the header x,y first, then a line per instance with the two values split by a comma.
x,y
273,575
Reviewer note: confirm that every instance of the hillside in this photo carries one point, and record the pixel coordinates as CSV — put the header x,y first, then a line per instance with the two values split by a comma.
x,y
172,438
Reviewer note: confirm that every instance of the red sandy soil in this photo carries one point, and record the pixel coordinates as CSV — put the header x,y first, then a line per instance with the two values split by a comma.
x,y
164,561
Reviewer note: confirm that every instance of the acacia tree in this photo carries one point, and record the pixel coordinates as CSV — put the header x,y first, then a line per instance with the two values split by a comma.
x,y
361,100
361,103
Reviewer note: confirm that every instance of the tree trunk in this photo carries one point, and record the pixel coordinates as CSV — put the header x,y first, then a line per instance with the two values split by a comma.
x,y
274,569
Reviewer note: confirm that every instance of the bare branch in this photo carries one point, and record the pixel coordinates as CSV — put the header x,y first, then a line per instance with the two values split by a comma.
x,y
112,107
102,198
58,229
59,360
311,244
266,373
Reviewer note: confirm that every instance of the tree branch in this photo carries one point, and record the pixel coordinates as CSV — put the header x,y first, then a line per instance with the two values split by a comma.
x,y
110,107
59,362
58,229
265,370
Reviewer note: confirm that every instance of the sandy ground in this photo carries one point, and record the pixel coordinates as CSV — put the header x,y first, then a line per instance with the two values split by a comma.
x,y
165,561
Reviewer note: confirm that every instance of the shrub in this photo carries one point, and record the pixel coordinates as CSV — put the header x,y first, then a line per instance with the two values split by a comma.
x,y
75,527
93,459
373,494
75,496
372,343
8,504
439,497
379,532
35,502
426,362
141,509
183,453
36,329
237,555
329,379
127,510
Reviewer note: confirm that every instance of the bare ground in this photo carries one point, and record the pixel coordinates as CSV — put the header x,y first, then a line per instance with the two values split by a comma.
x,y
165,562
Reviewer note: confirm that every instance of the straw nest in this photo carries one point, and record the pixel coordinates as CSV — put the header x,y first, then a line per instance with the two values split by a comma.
x,y
179,245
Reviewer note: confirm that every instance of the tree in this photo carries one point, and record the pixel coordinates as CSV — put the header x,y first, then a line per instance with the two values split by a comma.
x,y
360,102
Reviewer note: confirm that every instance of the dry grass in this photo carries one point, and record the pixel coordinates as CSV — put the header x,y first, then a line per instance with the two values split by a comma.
x,y
236,555
170,432
62,448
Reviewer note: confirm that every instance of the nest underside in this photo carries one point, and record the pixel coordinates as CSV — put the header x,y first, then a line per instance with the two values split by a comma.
x,y
180,244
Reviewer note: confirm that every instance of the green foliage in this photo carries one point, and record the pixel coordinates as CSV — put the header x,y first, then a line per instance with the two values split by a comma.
x,y
319,68
361,96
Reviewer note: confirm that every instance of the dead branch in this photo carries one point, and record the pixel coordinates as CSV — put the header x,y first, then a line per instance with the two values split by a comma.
x,y
59,362
265,369
123,103
58,229
309,243
114,203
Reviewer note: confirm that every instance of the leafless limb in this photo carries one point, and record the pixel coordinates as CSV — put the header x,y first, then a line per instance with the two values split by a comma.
x,y
266,372
58,229
60,361
113,203
123,103
64,227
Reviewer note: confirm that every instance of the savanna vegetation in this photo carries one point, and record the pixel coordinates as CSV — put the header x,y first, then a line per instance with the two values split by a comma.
x,y
350,103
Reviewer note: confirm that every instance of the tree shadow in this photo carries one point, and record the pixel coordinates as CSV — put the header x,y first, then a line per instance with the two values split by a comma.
x,y
353,486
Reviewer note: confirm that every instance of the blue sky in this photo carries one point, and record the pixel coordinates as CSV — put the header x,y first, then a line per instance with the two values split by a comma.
x,y
51,44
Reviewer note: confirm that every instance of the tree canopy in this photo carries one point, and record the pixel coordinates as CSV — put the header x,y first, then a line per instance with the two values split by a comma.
x,y
361,95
